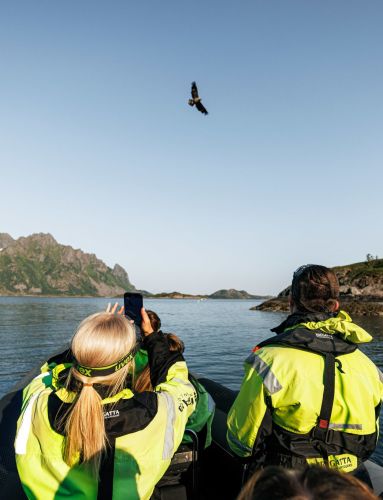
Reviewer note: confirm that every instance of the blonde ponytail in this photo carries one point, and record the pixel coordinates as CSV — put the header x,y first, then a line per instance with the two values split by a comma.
x,y
81,438
101,340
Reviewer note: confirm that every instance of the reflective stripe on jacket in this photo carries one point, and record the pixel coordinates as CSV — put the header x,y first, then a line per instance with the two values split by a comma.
x,y
280,399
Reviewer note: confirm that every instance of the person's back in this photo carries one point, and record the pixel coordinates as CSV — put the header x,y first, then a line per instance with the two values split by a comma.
x,y
200,421
309,394
86,434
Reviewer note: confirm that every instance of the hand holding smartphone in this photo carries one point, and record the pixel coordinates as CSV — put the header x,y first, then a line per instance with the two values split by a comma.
x,y
133,303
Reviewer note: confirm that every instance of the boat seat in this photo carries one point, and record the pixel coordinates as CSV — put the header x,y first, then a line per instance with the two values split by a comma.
x,y
180,481
227,472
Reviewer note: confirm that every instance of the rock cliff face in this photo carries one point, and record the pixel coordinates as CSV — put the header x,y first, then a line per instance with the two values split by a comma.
x,y
5,240
364,279
38,265
361,290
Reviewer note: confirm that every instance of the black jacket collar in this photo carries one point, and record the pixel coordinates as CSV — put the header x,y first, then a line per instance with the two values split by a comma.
x,y
302,317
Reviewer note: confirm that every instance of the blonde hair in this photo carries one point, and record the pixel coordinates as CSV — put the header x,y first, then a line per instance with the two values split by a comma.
x,y
100,340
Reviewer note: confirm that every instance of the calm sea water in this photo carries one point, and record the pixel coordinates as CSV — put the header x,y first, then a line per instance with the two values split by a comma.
x,y
218,334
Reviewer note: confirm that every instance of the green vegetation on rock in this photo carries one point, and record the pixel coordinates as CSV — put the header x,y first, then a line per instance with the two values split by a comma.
x,y
38,265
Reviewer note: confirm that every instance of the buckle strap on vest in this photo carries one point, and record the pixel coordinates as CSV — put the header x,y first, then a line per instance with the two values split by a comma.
x,y
321,431
328,393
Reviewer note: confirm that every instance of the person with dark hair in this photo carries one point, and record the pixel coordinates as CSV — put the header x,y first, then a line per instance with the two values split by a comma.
x,y
309,395
201,419
311,483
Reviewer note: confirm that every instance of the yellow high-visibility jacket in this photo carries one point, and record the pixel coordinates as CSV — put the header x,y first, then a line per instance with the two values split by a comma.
x,y
144,431
277,417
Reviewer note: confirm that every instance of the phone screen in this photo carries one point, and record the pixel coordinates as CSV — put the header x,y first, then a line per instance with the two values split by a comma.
x,y
133,304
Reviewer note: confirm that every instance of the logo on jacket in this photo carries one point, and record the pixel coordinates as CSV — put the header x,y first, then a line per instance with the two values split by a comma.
x,y
345,462
323,336
186,400
111,414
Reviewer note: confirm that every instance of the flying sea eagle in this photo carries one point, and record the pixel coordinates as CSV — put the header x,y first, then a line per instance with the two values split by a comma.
x,y
196,100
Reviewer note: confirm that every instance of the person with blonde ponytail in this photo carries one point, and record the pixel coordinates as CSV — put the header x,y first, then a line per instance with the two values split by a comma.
x,y
85,432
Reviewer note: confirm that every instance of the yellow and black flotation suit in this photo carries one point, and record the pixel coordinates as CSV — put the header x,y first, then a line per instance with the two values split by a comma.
x,y
308,395
144,430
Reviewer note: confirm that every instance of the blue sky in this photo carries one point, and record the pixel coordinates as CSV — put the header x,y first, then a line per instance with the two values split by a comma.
x,y
99,147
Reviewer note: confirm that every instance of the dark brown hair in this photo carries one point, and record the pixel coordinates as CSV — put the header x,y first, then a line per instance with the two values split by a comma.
x,y
154,320
315,289
143,382
174,342
312,483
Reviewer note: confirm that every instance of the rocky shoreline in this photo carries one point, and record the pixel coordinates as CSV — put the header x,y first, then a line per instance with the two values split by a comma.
x,y
355,306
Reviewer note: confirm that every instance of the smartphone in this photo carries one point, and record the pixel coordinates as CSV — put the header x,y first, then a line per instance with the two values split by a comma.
x,y
133,304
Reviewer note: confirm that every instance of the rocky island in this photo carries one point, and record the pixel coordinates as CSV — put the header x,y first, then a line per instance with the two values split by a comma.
x,y
38,265
235,294
231,293
361,290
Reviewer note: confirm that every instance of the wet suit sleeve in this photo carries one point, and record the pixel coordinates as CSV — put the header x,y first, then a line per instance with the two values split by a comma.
x,y
160,358
249,419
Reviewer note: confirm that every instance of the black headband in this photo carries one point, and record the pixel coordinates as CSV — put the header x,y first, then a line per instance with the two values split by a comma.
x,y
87,371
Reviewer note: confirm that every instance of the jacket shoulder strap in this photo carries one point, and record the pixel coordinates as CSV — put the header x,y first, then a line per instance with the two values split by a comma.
x,y
328,392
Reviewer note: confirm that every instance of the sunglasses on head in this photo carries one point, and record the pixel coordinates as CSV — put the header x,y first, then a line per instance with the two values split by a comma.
x,y
298,272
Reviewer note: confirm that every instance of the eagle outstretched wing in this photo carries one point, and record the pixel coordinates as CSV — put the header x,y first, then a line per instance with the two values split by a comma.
x,y
194,91
201,108
196,100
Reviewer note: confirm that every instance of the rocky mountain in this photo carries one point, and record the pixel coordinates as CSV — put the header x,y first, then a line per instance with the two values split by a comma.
x,y
5,240
361,290
38,265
